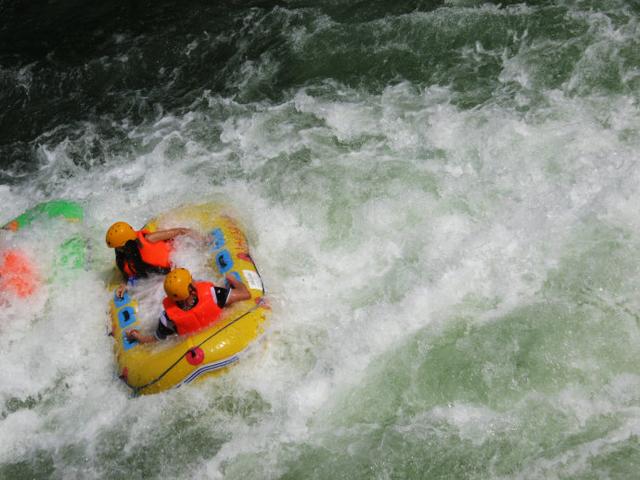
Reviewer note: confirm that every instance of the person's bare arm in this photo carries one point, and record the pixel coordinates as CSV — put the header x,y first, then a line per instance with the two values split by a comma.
x,y
169,234
121,289
137,336
238,291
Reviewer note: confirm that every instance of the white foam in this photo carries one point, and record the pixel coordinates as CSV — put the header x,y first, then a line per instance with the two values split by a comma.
x,y
401,207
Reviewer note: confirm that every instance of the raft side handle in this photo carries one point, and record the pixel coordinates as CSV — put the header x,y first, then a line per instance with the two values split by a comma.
x,y
120,302
126,343
224,261
126,317
218,239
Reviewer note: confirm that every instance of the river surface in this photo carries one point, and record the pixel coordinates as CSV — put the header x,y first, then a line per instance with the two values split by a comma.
x,y
442,198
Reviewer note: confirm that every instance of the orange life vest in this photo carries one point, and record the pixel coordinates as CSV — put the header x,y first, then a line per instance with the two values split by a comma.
x,y
17,275
155,254
204,313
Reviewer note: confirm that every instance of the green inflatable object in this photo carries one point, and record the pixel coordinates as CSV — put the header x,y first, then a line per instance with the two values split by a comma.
x,y
72,252
54,208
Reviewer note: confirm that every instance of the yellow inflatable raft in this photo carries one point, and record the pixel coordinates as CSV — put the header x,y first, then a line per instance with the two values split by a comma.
x,y
151,368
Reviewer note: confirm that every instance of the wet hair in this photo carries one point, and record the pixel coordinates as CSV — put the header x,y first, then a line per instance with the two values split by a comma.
x,y
130,253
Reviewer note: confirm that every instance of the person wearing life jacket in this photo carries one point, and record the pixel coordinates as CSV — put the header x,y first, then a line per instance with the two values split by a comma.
x,y
191,306
140,253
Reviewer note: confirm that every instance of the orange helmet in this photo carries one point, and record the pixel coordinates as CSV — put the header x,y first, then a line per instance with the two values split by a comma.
x,y
176,284
120,233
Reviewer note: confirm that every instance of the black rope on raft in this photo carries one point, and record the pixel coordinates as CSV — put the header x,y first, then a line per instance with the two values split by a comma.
x,y
136,390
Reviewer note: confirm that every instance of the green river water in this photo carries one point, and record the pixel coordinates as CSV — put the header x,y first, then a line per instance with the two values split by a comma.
x,y
442,199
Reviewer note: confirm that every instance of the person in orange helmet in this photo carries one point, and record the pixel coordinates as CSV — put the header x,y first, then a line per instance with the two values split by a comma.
x,y
191,306
140,253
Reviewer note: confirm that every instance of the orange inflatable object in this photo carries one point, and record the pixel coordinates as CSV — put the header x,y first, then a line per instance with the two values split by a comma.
x,y
17,275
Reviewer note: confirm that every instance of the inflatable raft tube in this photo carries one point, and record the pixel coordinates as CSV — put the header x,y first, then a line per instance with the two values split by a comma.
x,y
179,360
66,209
18,275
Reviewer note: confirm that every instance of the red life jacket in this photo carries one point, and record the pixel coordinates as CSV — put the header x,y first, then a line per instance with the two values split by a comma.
x,y
155,254
205,312
17,275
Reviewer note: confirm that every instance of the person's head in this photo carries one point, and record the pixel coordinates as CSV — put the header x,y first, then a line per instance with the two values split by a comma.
x,y
119,234
178,285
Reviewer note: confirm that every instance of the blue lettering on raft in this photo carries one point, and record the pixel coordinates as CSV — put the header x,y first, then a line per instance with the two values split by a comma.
x,y
126,318
224,261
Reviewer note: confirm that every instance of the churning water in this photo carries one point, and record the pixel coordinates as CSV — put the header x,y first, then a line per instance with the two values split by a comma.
x,y
442,197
